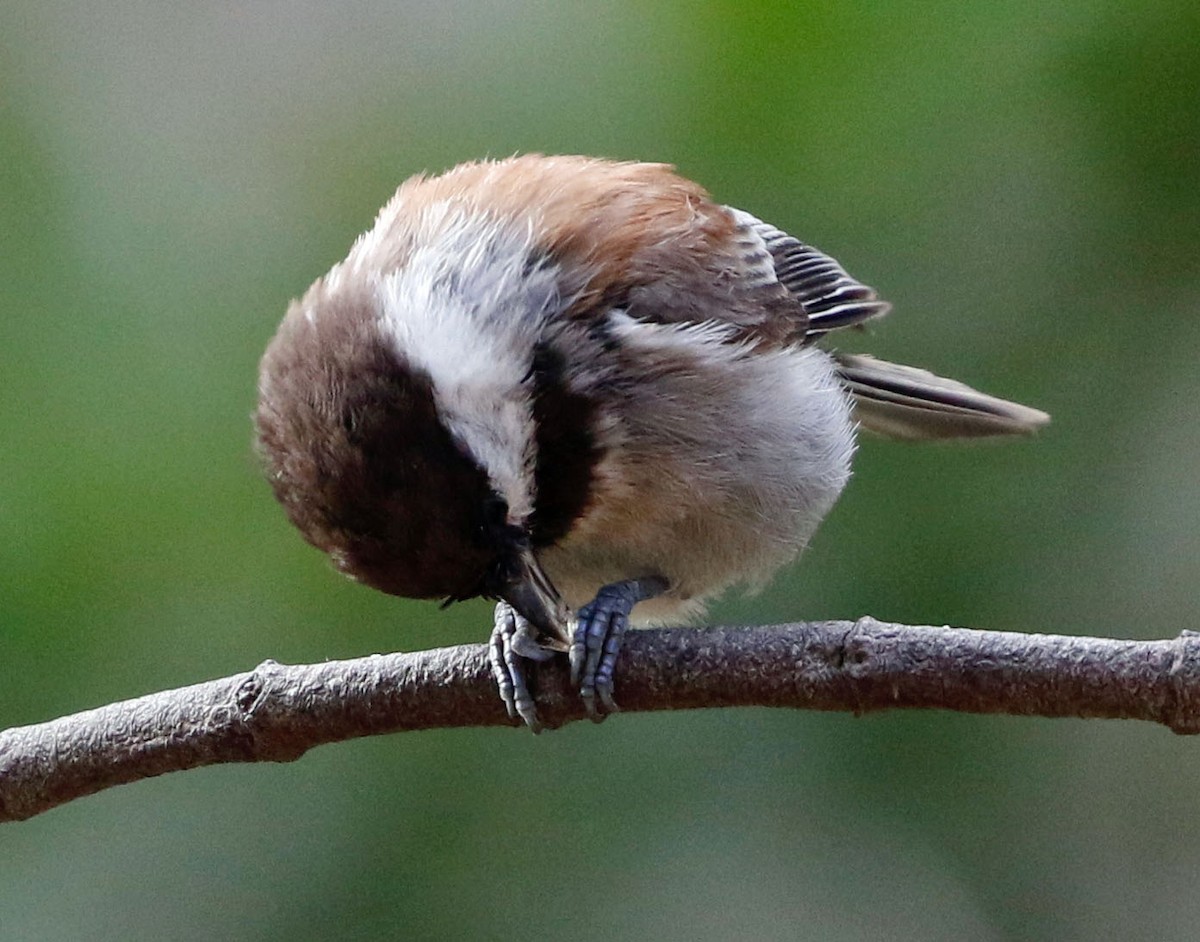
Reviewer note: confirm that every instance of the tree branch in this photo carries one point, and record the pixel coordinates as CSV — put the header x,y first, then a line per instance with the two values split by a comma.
x,y
275,713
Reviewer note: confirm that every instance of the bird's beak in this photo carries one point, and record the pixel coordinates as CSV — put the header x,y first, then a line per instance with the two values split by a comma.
x,y
534,597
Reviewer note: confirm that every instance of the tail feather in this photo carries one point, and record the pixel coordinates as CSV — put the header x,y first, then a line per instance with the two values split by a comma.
x,y
907,403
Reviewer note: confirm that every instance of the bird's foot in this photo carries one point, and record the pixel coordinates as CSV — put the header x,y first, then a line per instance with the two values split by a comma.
x,y
600,626
514,641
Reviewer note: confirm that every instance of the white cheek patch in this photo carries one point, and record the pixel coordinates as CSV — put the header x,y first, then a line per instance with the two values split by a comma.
x,y
467,310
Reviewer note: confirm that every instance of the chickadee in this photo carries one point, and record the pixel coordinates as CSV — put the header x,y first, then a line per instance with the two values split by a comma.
x,y
570,384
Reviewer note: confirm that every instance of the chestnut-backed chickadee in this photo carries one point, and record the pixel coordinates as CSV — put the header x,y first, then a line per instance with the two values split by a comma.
x,y
576,385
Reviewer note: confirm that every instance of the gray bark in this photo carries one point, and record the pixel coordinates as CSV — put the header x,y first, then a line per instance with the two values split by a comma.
x,y
275,713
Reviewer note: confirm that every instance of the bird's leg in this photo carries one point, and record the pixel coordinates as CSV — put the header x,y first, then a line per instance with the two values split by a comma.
x,y
514,641
599,629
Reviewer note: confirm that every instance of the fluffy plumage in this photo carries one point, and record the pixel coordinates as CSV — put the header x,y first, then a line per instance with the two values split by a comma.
x,y
564,373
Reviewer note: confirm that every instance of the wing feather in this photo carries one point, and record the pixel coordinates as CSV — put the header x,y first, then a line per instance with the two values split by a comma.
x,y
830,297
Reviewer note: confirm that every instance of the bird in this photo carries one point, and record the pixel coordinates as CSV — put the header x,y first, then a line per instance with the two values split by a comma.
x,y
586,390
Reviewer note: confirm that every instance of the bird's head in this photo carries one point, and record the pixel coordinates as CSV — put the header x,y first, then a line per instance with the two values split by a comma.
x,y
396,420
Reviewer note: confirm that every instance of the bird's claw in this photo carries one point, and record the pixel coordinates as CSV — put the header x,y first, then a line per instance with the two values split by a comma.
x,y
512,641
598,629
596,641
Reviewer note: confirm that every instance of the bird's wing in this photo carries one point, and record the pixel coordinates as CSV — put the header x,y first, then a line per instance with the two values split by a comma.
x,y
756,281
889,399
830,297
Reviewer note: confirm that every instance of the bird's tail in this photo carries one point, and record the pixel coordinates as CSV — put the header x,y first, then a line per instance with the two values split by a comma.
x,y
908,403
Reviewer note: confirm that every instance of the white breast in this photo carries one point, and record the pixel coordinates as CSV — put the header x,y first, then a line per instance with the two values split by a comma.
x,y
721,461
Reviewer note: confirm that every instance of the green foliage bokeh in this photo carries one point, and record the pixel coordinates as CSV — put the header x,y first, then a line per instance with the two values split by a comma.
x,y
1021,180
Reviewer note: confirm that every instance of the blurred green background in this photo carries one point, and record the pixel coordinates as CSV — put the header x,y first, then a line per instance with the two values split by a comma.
x,y
1021,179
